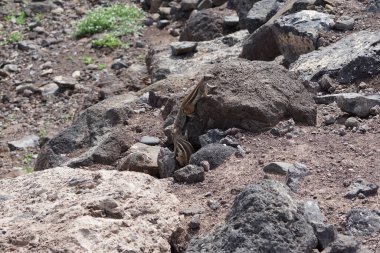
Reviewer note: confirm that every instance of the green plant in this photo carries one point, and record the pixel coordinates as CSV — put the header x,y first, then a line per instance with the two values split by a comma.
x,y
87,60
42,133
20,20
15,36
101,66
108,40
38,17
121,19
27,159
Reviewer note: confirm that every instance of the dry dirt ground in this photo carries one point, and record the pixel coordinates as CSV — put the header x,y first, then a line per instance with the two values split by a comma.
x,y
334,160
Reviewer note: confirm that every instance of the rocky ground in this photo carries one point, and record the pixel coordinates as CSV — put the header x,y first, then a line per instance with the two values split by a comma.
x,y
66,103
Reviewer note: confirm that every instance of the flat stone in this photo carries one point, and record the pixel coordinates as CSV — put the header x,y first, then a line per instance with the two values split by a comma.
x,y
189,5
344,23
65,82
11,68
25,142
231,21
193,210
181,48
279,168
150,140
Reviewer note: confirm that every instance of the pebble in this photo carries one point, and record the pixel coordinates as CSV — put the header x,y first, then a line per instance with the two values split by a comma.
x,y
195,222
351,122
150,140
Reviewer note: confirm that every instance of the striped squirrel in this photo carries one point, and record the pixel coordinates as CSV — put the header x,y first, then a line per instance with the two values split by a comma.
x,y
182,148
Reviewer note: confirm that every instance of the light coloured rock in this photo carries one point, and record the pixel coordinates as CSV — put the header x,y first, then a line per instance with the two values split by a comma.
x,y
65,82
142,158
25,142
74,210
183,47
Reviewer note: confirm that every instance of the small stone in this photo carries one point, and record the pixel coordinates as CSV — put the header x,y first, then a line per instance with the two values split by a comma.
x,y
231,21
189,5
189,174
295,174
230,141
119,64
329,119
193,210
361,196
361,186
150,140
46,72
162,23
375,110
344,23
181,48
57,11
76,74
363,85
283,127
214,205
195,222
11,68
49,88
279,168
27,93
325,234
205,165
25,142
65,82
351,122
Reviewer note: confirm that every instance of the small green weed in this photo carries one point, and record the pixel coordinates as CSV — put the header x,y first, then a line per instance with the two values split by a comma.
x,y
42,133
38,17
101,66
27,159
108,40
18,19
14,37
120,19
87,60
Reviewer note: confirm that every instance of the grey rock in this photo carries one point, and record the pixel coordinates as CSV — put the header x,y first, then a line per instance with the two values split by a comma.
x,y
329,119
189,5
39,7
195,222
312,212
260,13
325,234
90,129
360,221
327,84
295,174
25,142
353,103
27,45
29,86
163,23
11,68
49,88
181,48
150,140
258,98
119,64
166,163
351,122
212,136
263,218
352,58
361,186
231,21
204,25
373,6
189,174
161,64
344,23
142,158
65,82
297,34
375,110
204,4
215,154
283,127
279,168
193,210
230,141
346,244
213,204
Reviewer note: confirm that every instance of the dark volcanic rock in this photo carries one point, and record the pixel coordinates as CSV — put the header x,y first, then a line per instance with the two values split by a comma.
x,y
345,244
263,218
254,96
295,174
215,154
204,25
362,187
166,163
351,58
189,174
260,13
363,221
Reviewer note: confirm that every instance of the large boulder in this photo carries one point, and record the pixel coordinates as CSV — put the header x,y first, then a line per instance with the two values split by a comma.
x,y
96,136
74,210
203,25
263,218
254,96
351,58
298,33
